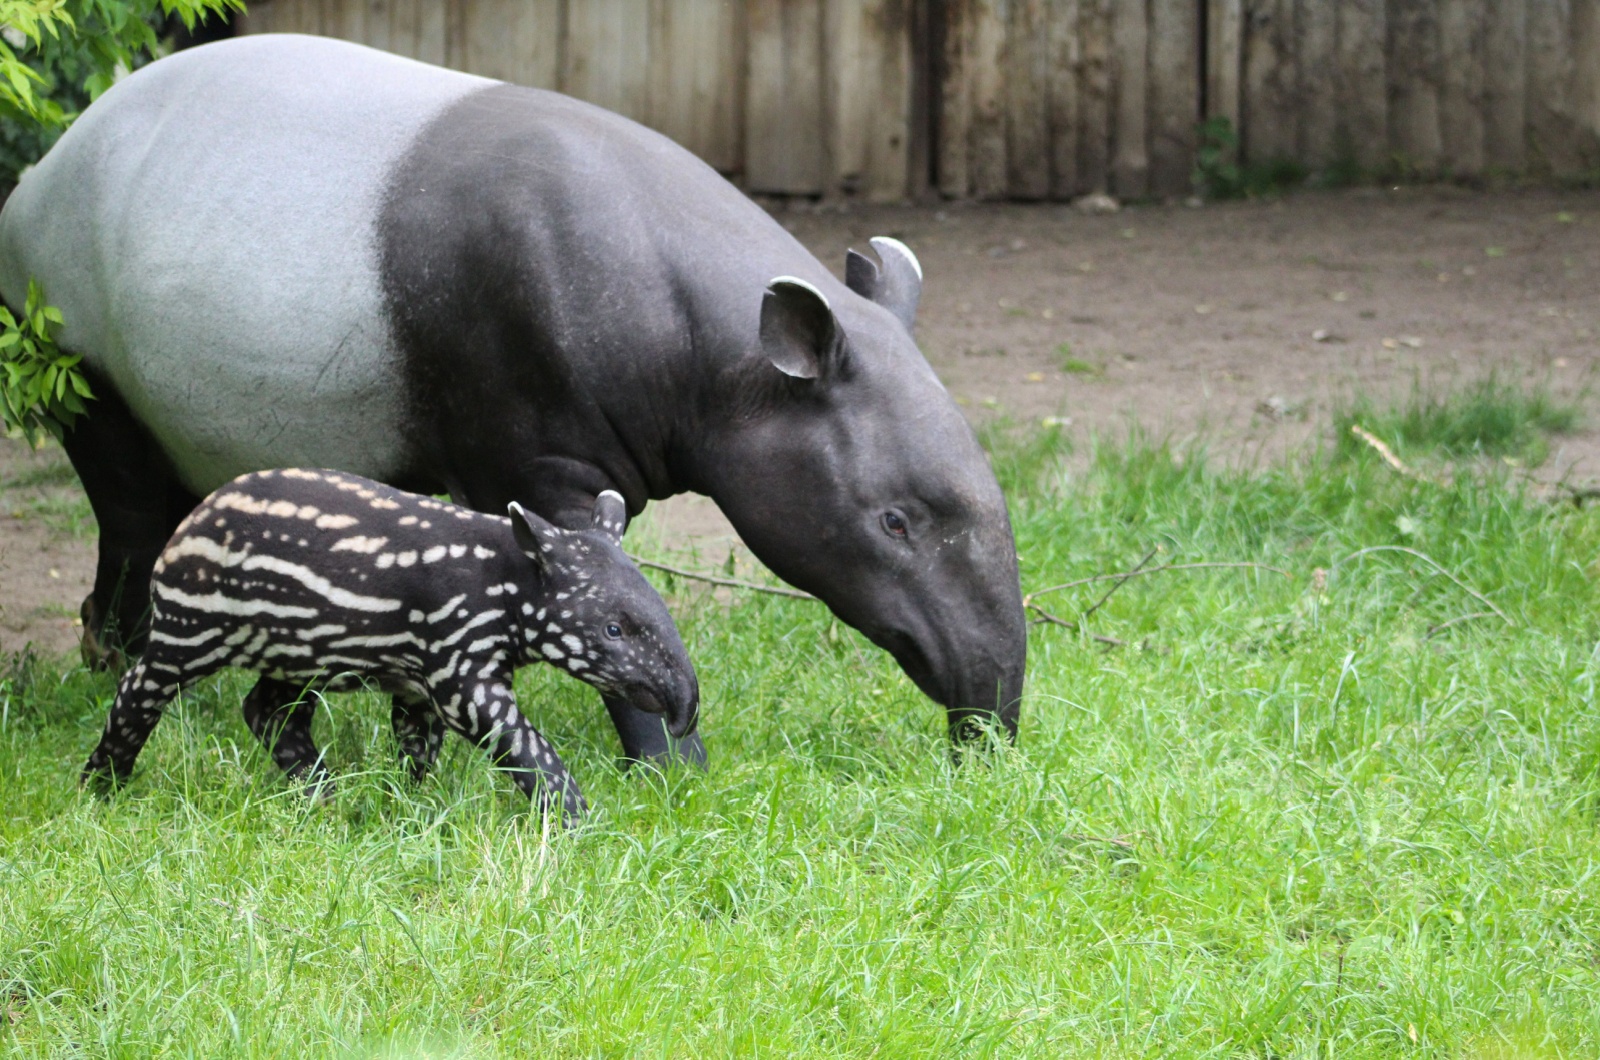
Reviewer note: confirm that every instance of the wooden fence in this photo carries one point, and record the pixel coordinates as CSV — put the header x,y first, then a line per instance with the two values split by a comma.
x,y
1033,99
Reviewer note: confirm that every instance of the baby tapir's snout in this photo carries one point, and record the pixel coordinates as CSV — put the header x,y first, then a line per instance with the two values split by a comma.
x,y
319,580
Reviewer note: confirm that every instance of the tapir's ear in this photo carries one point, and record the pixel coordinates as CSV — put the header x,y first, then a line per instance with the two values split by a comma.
x,y
897,286
610,515
799,332
533,535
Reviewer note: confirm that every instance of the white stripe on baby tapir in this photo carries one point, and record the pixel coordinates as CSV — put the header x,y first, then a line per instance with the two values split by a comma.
x,y
186,642
444,612
218,603
358,543
320,585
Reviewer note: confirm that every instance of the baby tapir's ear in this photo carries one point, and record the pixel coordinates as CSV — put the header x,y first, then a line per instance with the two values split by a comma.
x,y
535,537
610,515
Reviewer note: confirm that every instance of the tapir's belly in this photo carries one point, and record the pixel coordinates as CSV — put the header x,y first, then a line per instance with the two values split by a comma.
x,y
207,229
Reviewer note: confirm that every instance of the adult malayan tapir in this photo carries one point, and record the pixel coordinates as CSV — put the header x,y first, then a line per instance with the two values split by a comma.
x,y
286,250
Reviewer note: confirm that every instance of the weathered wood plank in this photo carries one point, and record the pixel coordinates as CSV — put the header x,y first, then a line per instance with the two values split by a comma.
x,y
1584,90
1270,123
1462,24
696,91
988,160
1316,50
378,30
1130,53
436,23
954,95
1027,99
1505,111
1174,88
1361,83
512,41
345,19
1224,59
1095,99
1065,69
785,122
1415,76
606,55
869,95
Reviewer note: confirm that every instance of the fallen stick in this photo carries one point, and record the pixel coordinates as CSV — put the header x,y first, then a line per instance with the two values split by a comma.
x,y
1138,572
732,583
1389,457
1436,565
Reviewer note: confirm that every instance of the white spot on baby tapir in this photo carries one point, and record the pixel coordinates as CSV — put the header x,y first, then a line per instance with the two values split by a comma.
x,y
358,543
408,520
335,522
573,643
406,558
483,553
240,502
540,615
457,551
219,523
434,554
283,509
527,609
414,617
510,588
385,561
425,525
494,590
554,629
551,651
576,664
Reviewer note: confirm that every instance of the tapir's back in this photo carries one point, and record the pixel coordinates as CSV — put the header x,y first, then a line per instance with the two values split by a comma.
x,y
206,228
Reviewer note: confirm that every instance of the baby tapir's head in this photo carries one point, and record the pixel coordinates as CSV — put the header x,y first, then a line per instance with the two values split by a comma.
x,y
594,615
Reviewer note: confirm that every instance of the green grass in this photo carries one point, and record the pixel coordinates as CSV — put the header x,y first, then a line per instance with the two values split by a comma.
x,y
1489,417
1290,822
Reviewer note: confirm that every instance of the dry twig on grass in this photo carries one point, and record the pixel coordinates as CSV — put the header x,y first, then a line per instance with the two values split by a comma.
x,y
732,583
1436,565
1389,457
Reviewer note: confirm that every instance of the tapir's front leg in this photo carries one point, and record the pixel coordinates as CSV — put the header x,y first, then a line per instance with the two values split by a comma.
x,y
563,491
485,712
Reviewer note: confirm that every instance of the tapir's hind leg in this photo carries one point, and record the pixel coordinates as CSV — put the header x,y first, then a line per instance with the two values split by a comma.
x,y
137,503
418,730
280,713
141,696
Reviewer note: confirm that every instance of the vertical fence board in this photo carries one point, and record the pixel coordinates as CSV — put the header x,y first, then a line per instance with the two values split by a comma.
x,y
870,96
1461,94
1224,59
1362,130
1027,100
954,180
1174,93
696,86
1094,96
517,42
1130,154
1270,108
1065,67
987,161
606,54
1316,42
433,36
1505,109
1414,78
1584,91
378,17
785,125
1549,66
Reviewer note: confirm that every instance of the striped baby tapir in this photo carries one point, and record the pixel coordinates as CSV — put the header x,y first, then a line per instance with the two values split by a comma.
x,y
324,581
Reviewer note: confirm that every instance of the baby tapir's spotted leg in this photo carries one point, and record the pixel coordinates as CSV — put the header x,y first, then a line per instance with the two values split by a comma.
x,y
141,695
280,714
418,730
485,712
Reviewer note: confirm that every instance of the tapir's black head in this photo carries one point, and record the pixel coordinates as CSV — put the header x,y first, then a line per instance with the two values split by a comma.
x,y
851,473
594,615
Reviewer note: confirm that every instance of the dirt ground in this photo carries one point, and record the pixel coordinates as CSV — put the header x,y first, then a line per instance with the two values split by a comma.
x,y
1241,324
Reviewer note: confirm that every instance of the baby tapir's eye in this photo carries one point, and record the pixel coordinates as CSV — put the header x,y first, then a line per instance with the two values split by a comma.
x,y
894,523
614,631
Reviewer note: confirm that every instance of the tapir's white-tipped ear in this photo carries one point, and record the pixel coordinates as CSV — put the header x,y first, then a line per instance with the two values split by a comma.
x,y
897,286
610,515
799,332
534,535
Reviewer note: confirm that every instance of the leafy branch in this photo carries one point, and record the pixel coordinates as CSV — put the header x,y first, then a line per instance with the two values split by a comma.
x,y
42,389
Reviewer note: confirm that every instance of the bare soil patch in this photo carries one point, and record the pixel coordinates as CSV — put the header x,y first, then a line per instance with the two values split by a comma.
x,y
1240,324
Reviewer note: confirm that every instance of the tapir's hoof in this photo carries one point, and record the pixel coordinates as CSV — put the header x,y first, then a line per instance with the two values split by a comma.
x,y
97,654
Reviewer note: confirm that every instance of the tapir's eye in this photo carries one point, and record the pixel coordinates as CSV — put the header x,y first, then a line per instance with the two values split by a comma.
x,y
614,631
894,523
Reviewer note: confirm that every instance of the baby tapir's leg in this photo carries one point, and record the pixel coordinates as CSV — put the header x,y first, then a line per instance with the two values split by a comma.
x,y
141,695
486,713
418,730
280,713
